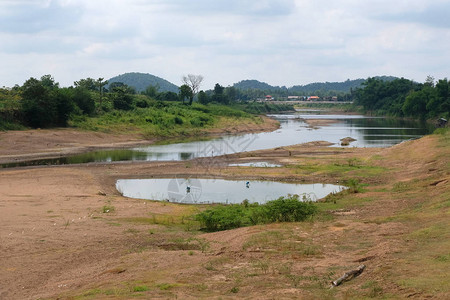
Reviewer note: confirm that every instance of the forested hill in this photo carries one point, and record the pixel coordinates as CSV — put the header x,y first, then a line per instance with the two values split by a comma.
x,y
140,81
308,88
255,85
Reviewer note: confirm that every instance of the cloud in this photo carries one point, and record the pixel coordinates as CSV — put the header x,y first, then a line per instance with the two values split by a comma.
x,y
432,15
37,16
284,42
263,8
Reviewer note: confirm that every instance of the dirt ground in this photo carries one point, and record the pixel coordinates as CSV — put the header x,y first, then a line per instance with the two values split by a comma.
x,y
66,233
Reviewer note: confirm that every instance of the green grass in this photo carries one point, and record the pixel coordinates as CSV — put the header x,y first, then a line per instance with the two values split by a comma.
x,y
164,119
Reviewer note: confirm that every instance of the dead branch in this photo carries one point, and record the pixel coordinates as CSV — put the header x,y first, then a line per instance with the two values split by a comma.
x,y
349,275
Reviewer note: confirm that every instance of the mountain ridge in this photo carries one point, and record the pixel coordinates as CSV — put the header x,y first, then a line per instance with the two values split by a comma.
x,y
140,81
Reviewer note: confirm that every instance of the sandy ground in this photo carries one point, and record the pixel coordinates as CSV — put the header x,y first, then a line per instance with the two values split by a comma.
x,y
65,230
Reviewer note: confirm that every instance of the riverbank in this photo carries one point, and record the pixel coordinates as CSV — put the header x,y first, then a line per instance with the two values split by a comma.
x,y
23,145
67,233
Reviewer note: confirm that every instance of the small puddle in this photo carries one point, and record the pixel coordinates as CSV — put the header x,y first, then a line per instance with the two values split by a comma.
x,y
208,191
256,164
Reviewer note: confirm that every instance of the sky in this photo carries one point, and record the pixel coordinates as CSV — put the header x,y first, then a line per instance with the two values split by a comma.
x,y
280,42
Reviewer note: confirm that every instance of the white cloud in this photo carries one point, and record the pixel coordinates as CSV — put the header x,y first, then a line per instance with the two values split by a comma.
x,y
283,42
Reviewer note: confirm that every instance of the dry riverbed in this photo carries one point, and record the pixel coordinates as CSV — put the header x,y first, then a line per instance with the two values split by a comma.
x,y
66,233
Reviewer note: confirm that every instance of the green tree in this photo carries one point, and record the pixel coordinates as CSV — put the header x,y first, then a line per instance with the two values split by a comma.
x,y
84,100
151,91
88,84
168,96
45,104
121,99
185,92
203,97
219,95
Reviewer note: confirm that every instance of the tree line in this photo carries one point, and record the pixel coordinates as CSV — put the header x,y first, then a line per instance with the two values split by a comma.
x,y
405,98
42,103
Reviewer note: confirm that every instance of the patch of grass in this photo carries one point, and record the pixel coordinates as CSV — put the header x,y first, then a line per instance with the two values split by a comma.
x,y
165,286
374,290
401,187
106,209
282,242
140,288
345,169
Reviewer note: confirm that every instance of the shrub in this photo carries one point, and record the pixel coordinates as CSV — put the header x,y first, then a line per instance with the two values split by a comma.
x,y
284,209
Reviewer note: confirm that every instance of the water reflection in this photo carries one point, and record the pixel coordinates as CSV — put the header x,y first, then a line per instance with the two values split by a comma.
x,y
368,132
196,191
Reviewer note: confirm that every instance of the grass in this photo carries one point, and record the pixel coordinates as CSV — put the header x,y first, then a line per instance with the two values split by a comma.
x,y
166,119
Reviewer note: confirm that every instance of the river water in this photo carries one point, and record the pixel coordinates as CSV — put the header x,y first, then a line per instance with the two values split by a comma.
x,y
367,131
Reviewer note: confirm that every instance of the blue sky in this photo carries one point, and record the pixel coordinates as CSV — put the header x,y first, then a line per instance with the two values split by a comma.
x,y
281,42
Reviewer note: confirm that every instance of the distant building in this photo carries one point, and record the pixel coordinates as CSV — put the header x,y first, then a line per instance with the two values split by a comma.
x,y
313,98
269,98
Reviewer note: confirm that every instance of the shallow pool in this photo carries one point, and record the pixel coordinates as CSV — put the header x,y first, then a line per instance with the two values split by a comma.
x,y
199,191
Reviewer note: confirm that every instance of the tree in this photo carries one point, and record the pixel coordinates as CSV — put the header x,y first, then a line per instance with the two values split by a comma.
x,y
219,95
231,93
167,96
100,84
88,84
44,104
84,100
416,102
186,92
122,86
194,82
121,99
151,91
203,97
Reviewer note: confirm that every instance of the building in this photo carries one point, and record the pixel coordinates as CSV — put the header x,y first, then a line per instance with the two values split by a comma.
x,y
313,98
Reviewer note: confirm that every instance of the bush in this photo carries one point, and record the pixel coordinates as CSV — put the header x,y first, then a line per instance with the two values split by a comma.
x,y
289,209
284,209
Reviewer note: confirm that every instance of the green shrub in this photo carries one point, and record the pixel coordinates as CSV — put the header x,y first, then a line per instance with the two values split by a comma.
x,y
284,209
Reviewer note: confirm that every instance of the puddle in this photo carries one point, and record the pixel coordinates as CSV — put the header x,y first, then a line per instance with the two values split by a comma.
x,y
208,191
256,164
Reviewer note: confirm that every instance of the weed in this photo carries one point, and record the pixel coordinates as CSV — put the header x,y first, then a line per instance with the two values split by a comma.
x,y
234,289
140,288
263,265
400,187
165,286
108,209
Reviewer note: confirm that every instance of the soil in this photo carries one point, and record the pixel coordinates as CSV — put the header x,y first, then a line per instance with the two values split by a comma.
x,y
66,232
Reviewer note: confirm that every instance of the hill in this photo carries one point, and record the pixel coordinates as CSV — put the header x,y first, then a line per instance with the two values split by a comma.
x,y
140,81
344,86
255,85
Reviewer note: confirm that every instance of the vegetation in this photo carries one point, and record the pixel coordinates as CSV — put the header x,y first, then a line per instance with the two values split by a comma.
x,y
284,209
405,98
140,82
252,89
